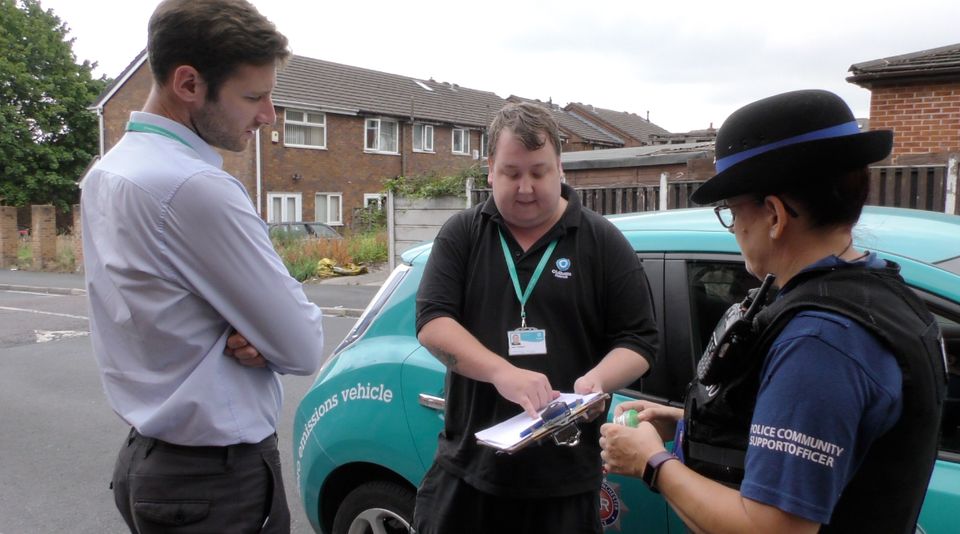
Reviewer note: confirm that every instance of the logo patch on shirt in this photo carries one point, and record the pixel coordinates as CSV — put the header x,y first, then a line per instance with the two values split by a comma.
x,y
562,270
611,507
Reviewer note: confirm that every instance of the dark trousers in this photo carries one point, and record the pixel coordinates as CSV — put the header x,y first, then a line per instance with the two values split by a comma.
x,y
161,487
448,505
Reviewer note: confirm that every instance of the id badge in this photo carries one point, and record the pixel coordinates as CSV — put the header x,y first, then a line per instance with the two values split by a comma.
x,y
527,341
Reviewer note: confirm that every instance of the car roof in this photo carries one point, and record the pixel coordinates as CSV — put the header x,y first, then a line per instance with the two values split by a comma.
x,y
926,236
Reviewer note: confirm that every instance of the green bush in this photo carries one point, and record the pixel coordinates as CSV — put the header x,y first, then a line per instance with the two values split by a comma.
x,y
432,185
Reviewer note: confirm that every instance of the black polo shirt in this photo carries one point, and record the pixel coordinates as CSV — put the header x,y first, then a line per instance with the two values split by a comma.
x,y
600,302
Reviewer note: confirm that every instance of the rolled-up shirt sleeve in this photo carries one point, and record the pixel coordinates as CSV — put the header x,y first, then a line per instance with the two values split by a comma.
x,y
630,321
441,288
218,246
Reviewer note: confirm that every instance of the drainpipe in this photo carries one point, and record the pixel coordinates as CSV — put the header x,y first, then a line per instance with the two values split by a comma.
x,y
102,135
257,164
952,171
664,191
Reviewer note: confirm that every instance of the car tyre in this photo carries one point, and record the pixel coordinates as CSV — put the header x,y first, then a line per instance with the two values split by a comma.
x,y
376,507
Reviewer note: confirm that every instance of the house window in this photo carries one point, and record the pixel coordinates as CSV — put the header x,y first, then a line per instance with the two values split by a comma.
x,y
304,129
461,141
422,138
283,207
329,207
382,136
373,200
483,145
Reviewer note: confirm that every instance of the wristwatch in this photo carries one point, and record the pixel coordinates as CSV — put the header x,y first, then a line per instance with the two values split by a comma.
x,y
652,468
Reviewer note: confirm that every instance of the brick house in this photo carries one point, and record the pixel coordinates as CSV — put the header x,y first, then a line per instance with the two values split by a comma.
x,y
340,132
917,95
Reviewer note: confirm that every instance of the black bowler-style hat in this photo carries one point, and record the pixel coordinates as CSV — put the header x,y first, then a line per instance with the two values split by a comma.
x,y
786,140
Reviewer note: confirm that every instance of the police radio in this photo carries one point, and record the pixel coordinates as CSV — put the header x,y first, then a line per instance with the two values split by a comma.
x,y
733,332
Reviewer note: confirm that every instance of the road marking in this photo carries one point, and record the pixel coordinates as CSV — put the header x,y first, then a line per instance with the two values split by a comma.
x,y
38,312
28,293
44,336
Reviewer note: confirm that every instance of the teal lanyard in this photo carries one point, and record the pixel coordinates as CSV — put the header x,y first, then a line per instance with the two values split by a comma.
x,y
149,128
523,296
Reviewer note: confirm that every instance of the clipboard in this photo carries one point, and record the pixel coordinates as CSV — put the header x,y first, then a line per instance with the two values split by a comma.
x,y
521,430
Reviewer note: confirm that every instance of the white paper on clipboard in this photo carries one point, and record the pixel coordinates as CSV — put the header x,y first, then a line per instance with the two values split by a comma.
x,y
506,436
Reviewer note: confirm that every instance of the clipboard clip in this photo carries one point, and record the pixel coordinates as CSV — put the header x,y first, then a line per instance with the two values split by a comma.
x,y
559,420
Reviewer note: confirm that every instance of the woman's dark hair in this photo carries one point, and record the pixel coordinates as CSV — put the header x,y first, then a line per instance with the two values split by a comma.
x,y
214,37
833,201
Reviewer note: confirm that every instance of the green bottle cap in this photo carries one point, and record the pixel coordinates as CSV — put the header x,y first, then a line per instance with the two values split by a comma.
x,y
627,418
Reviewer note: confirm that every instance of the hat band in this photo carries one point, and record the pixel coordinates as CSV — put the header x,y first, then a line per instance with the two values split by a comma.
x,y
840,130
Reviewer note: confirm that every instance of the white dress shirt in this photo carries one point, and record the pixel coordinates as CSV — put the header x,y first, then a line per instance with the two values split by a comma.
x,y
175,255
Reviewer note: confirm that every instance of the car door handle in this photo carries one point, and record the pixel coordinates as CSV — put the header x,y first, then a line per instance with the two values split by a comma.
x,y
432,402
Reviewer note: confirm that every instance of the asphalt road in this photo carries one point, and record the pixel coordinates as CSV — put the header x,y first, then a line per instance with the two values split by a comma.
x,y
58,437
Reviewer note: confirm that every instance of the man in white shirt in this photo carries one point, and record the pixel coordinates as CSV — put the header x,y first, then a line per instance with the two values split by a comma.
x,y
192,313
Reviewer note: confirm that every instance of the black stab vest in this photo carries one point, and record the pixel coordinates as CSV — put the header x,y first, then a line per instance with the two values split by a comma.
x,y
887,491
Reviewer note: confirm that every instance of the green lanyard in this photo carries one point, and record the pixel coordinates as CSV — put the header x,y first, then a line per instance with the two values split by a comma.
x,y
533,279
150,128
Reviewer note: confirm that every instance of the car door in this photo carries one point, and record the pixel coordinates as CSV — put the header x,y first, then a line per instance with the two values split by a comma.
x,y
691,292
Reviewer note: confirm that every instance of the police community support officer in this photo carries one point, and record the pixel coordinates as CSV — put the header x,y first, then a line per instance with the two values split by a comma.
x,y
829,417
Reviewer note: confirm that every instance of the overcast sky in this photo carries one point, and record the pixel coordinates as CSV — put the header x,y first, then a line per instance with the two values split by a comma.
x,y
688,64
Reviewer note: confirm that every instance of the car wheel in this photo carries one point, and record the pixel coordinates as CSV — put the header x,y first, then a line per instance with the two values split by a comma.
x,y
379,507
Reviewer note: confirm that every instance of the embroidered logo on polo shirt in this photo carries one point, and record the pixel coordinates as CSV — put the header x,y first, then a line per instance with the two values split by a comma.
x,y
562,270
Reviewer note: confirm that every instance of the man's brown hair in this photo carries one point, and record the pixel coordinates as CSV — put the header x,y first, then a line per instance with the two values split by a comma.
x,y
214,37
532,124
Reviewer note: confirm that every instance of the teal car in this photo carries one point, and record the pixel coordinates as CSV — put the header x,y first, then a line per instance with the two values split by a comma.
x,y
366,432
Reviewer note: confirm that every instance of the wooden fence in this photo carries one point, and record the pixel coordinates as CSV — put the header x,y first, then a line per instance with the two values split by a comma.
x,y
921,187
621,199
925,187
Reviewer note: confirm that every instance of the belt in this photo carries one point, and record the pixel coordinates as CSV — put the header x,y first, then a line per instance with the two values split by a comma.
x,y
208,451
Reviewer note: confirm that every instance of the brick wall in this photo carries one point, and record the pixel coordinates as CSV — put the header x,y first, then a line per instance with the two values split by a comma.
x,y
43,235
924,118
9,236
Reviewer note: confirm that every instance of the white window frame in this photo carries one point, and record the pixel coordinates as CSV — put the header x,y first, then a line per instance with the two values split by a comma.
x,y
483,145
425,129
465,149
380,121
285,215
330,196
307,124
376,197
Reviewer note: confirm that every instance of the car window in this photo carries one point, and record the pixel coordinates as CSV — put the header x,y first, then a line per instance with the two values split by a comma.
x,y
322,230
950,423
714,287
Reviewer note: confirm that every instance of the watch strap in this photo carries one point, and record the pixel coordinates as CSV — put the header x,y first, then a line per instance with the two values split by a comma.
x,y
652,468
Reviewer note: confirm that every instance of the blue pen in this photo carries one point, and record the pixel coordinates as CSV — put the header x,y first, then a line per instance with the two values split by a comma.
x,y
529,430
554,414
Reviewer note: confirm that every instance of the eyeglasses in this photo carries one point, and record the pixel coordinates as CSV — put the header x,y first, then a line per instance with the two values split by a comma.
x,y
727,217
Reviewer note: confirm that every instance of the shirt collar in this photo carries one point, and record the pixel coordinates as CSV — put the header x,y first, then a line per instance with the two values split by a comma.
x,y
207,153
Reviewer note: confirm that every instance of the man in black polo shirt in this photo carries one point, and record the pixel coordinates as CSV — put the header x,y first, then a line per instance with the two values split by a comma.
x,y
531,263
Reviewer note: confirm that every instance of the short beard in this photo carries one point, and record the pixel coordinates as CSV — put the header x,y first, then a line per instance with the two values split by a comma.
x,y
206,123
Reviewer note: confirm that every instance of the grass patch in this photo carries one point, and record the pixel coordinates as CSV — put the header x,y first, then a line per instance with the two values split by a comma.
x,y
64,261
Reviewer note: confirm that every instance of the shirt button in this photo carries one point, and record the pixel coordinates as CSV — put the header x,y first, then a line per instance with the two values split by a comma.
x,y
517,254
